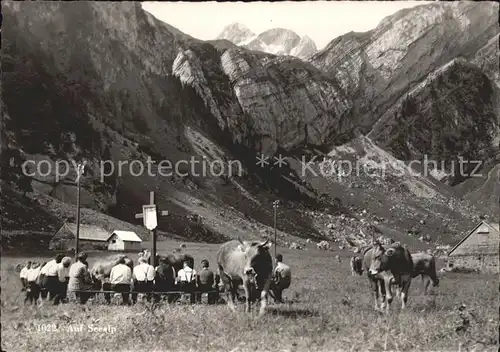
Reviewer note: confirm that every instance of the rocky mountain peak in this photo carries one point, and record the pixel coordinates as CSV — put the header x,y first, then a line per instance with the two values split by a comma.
x,y
236,33
277,41
305,49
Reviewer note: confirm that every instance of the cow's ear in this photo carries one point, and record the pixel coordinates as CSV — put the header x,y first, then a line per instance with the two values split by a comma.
x,y
389,252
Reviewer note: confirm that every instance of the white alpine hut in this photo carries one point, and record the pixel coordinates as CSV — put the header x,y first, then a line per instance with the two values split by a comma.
x,y
124,241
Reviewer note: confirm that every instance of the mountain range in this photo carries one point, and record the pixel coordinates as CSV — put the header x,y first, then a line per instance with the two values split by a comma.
x,y
278,41
93,81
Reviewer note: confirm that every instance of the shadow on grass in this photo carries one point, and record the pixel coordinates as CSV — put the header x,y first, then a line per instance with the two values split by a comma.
x,y
293,313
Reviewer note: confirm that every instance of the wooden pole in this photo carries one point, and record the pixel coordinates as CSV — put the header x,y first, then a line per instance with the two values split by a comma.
x,y
77,244
275,207
153,232
153,248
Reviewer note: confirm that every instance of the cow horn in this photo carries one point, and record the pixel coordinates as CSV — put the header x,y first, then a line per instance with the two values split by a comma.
x,y
264,243
239,239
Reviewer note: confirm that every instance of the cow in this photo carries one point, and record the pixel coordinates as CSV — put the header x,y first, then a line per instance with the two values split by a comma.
x,y
424,264
248,263
356,266
102,268
177,260
387,265
101,271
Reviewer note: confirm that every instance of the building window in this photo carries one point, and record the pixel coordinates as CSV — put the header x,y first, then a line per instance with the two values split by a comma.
x,y
113,241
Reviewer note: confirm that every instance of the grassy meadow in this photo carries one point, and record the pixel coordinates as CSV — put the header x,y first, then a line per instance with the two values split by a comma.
x,y
327,310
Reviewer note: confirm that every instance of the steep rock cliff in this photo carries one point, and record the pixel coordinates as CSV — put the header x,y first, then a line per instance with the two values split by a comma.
x,y
287,103
449,114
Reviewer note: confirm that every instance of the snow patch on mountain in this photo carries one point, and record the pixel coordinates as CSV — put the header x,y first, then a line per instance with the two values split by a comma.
x,y
236,33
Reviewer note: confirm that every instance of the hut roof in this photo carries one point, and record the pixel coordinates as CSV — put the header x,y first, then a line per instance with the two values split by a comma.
x,y
126,236
487,244
87,232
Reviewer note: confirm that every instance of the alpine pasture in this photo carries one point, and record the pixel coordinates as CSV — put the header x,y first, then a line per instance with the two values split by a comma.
x,y
327,309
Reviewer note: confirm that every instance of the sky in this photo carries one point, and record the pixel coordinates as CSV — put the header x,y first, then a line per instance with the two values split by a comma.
x,y
322,21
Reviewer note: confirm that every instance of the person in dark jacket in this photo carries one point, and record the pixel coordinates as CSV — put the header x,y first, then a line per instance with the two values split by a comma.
x,y
164,280
206,281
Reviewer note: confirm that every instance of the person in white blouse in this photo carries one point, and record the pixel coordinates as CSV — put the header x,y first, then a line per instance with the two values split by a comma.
x,y
50,278
120,279
63,276
32,286
23,275
143,278
186,279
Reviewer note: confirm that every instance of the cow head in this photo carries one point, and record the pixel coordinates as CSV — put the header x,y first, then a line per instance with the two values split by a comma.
x,y
129,262
258,262
380,258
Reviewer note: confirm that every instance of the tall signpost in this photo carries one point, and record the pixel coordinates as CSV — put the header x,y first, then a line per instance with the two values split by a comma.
x,y
149,216
275,207
79,172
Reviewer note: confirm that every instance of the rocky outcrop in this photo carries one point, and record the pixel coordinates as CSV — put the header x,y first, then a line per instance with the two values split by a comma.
x,y
450,114
487,59
287,103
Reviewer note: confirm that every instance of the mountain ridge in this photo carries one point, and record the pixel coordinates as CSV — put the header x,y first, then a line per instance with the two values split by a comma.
x,y
161,94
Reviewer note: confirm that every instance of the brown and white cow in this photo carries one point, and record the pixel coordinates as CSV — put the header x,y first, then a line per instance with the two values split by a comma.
x,y
424,264
248,263
387,265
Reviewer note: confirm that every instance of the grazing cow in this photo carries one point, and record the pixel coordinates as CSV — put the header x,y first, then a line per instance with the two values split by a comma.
x,y
356,266
386,265
247,263
424,264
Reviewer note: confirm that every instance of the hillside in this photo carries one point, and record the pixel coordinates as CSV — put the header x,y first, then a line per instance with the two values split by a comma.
x,y
107,81
425,82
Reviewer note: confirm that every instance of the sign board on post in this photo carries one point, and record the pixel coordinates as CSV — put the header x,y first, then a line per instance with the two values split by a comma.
x,y
149,216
